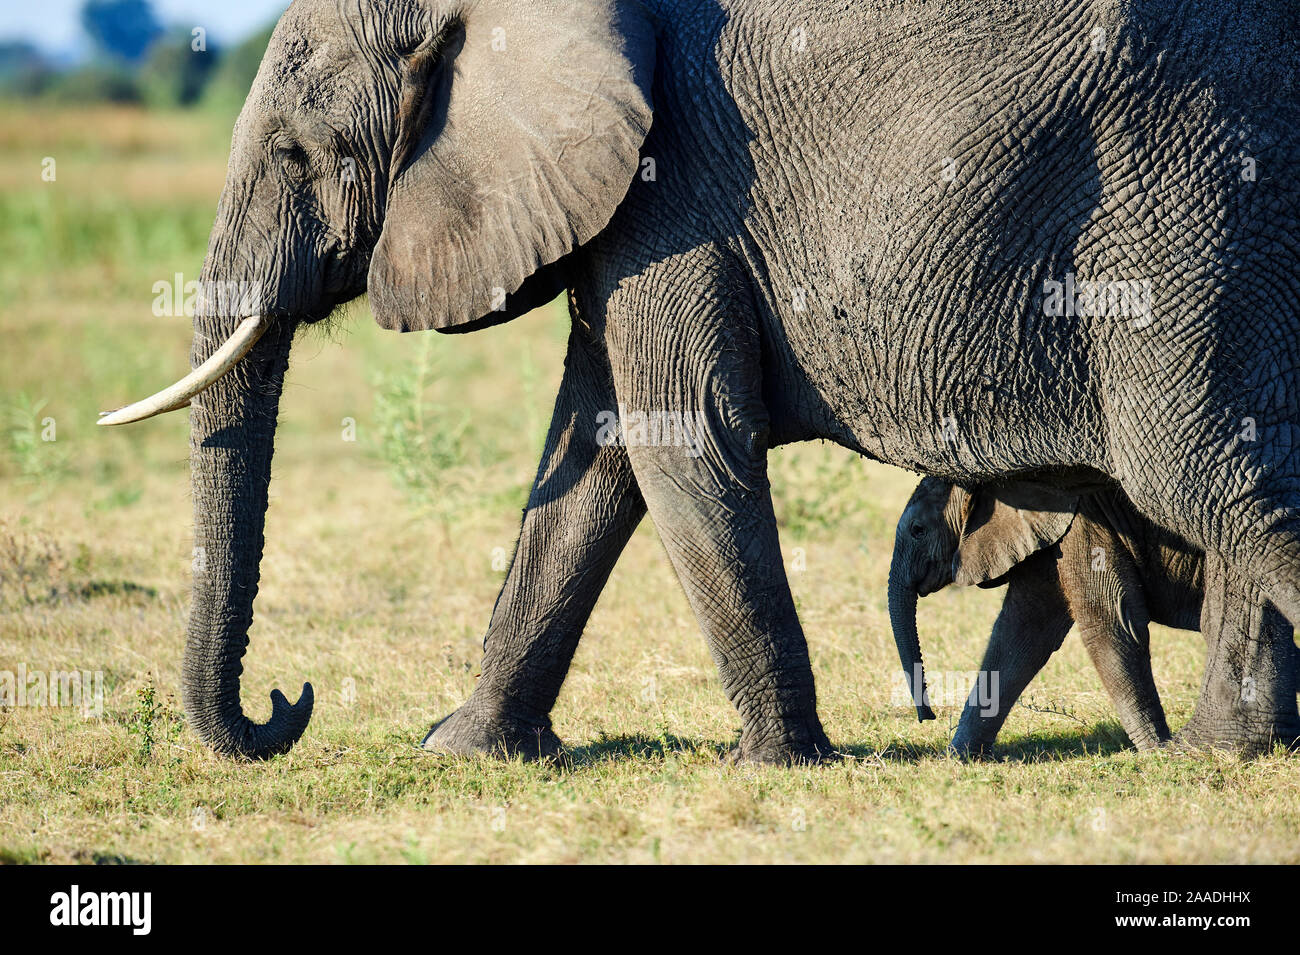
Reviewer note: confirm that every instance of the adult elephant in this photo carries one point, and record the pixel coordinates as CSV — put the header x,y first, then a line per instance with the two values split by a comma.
x,y
882,226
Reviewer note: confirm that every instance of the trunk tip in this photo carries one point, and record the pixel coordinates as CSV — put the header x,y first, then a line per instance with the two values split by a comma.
x,y
296,713
287,724
924,713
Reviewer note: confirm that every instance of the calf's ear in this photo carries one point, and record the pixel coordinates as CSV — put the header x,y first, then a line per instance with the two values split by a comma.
x,y
1004,526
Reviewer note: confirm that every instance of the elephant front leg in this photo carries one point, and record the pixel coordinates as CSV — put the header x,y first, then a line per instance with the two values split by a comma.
x,y
1247,700
1031,626
721,537
583,509
697,435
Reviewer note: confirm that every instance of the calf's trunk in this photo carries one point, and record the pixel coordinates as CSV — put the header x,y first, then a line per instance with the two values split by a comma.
x,y
902,619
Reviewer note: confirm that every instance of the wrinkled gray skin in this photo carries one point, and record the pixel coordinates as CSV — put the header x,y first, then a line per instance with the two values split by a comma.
x,y
851,215
1112,572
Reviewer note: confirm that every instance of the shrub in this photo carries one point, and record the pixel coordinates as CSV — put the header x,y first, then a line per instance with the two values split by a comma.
x,y
95,83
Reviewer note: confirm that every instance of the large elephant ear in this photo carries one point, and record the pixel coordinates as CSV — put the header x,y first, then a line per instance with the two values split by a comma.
x,y
1004,526
519,132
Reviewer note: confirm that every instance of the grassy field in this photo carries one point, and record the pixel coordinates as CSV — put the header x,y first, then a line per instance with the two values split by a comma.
x,y
384,557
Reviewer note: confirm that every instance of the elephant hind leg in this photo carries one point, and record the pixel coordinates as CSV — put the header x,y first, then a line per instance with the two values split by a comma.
x,y
1245,513
1252,601
1247,700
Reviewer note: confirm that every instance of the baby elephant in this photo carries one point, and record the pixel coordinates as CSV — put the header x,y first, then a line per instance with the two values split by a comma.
x,y
1102,566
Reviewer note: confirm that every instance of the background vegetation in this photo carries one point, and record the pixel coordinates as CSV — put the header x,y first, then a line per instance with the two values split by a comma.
x,y
384,557
135,58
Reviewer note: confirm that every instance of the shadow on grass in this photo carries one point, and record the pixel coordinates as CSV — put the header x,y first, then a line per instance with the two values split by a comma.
x,y
643,746
893,751
110,588
35,855
87,857
1100,739
1103,739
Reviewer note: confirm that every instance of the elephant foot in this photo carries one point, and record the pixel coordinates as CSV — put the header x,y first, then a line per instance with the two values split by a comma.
x,y
467,732
971,751
1245,740
805,744
973,739
1150,743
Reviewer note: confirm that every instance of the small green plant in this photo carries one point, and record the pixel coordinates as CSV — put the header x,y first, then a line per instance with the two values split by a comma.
x,y
412,853
421,440
816,489
33,452
144,721
122,496
153,721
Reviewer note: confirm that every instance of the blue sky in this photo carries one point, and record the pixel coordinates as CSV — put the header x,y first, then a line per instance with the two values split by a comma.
x,y
54,25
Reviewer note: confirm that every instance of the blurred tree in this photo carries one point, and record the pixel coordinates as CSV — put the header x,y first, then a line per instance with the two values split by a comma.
x,y
174,73
121,28
23,70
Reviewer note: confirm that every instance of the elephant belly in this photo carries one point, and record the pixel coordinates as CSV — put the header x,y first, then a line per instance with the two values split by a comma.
x,y
972,241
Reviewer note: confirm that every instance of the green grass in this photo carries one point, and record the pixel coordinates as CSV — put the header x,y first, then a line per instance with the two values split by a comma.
x,y
380,575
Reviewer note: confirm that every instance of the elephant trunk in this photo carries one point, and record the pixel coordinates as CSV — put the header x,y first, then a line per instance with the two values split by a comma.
x,y
232,434
902,619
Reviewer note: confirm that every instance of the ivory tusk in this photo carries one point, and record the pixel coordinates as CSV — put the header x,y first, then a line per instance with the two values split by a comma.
x,y
178,396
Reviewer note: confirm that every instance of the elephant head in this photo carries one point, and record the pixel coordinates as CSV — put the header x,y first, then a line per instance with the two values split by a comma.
x,y
950,535
443,155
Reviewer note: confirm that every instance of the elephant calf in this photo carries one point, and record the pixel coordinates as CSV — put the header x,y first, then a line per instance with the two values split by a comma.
x,y
1104,567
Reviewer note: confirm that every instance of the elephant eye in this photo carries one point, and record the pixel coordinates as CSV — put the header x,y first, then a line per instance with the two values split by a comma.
x,y
917,530
293,161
